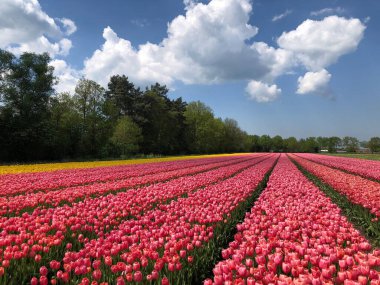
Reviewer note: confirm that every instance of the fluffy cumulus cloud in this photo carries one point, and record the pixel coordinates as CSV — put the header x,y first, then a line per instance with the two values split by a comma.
x,y
318,44
69,26
206,45
262,92
27,28
42,44
117,56
314,82
209,44
67,76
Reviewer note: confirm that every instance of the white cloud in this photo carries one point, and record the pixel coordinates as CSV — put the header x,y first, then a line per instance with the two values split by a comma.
x,y
207,45
314,82
26,27
42,44
328,11
262,92
68,76
281,16
117,56
318,44
189,4
69,26
279,61
367,19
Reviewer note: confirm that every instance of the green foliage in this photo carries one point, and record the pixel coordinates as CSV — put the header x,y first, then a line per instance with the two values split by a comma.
x,y
233,137
26,85
374,144
88,102
265,143
291,144
126,136
204,131
334,143
351,144
278,144
124,97
67,126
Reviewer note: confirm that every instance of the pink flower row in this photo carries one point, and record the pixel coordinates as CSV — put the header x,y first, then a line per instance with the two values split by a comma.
x,y
13,204
11,184
366,168
359,190
31,235
161,240
294,234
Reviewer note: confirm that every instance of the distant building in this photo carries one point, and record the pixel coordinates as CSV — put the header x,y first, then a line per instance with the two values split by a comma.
x,y
363,150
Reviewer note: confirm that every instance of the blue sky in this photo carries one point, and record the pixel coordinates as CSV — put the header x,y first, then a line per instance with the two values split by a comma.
x,y
293,68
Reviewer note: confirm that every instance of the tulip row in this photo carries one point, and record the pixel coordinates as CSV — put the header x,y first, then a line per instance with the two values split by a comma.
x,y
45,232
366,168
27,202
47,181
46,167
164,244
359,190
294,234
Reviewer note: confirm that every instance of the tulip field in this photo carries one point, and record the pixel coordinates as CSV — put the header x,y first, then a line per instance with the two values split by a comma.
x,y
261,218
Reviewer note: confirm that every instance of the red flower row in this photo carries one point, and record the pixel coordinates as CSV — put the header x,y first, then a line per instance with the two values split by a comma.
x,y
294,234
34,235
359,190
12,184
161,241
14,204
366,168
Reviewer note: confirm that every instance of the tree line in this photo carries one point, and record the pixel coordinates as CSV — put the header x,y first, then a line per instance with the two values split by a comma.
x,y
37,123
313,144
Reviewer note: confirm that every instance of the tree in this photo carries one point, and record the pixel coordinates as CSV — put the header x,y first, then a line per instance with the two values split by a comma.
x,y
309,144
26,85
124,96
334,143
67,125
277,144
197,114
351,144
89,102
178,126
158,123
7,60
265,142
126,136
291,144
247,142
374,144
323,142
255,143
233,139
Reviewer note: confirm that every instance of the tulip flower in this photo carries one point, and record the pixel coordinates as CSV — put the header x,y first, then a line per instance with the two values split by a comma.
x,y
294,226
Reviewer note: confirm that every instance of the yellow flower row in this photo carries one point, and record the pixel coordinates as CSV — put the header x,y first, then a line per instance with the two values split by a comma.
x,y
11,169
